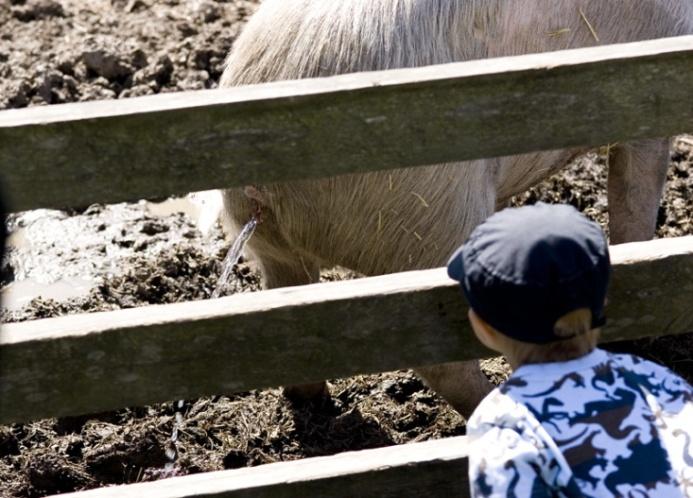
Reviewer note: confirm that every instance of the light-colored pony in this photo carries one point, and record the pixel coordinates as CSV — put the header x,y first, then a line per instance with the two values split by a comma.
x,y
408,219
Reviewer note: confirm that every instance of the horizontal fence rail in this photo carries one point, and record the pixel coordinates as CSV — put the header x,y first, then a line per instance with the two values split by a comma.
x,y
89,363
111,151
432,468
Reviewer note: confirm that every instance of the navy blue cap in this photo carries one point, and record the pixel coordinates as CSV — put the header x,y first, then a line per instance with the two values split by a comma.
x,y
524,268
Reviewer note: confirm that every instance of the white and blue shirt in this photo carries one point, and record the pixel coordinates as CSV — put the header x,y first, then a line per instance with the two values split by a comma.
x,y
603,425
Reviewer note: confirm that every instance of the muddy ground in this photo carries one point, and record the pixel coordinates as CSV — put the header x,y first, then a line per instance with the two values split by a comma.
x,y
111,257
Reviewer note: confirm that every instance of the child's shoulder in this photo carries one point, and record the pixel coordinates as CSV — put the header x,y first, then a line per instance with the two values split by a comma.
x,y
647,374
497,409
570,384
599,366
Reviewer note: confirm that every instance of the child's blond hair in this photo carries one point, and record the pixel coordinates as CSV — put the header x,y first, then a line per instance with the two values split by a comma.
x,y
580,339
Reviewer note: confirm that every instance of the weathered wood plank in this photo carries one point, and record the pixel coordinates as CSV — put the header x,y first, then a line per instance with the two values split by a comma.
x,y
90,363
76,154
433,468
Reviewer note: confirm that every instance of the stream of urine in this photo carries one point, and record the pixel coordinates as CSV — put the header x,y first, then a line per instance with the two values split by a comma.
x,y
233,256
229,262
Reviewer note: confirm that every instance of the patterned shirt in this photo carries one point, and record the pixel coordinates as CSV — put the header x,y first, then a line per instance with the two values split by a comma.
x,y
603,425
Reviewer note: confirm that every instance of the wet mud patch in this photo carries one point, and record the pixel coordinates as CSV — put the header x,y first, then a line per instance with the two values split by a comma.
x,y
123,255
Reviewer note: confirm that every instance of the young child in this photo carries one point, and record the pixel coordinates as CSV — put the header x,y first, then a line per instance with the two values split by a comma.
x,y
572,420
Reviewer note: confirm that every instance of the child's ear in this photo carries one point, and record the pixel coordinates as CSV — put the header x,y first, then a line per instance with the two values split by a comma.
x,y
483,331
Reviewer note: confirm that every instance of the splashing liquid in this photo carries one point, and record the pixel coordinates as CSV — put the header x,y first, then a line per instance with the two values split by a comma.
x,y
172,445
233,256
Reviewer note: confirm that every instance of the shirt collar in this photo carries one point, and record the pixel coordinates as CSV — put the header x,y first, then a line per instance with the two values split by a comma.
x,y
555,369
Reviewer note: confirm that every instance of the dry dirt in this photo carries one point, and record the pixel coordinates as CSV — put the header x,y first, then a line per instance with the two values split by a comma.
x,y
136,254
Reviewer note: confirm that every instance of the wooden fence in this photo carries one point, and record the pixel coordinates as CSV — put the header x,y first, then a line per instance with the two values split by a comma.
x,y
167,144
433,468
177,143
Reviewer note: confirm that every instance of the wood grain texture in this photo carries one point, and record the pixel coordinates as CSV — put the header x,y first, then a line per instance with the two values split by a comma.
x,y
101,361
77,154
432,468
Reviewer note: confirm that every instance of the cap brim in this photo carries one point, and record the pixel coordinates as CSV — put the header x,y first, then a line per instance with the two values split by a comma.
x,y
456,266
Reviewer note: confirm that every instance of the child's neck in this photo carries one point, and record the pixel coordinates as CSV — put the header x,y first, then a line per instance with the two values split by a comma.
x,y
516,361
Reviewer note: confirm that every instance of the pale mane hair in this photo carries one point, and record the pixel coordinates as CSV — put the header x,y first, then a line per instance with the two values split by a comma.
x,y
293,39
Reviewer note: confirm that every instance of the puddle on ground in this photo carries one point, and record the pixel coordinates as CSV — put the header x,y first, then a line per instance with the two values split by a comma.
x,y
55,255
203,208
18,294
